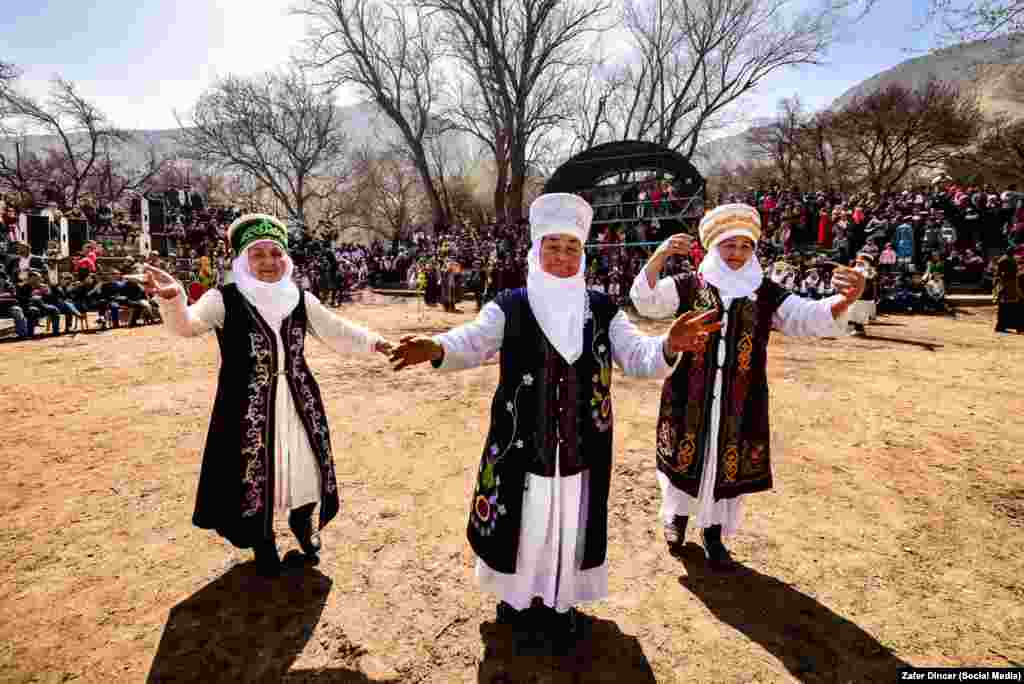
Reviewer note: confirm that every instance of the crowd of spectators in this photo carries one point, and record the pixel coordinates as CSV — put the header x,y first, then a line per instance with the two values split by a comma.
x,y
946,233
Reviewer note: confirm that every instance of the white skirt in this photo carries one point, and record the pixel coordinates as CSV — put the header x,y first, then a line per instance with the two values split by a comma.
x,y
296,471
861,311
703,510
551,543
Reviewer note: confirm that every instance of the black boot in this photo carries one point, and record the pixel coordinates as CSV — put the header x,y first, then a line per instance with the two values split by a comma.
x,y
569,629
300,520
268,562
718,555
505,614
675,534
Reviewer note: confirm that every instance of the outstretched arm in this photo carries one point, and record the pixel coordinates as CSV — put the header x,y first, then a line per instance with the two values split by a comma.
x,y
339,334
180,319
656,356
802,317
466,346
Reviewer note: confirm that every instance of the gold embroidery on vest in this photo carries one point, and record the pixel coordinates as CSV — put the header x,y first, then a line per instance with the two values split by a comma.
x,y
745,350
731,463
687,449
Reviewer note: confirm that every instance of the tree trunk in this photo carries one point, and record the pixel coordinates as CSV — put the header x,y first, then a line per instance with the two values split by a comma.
x,y
514,201
501,177
437,211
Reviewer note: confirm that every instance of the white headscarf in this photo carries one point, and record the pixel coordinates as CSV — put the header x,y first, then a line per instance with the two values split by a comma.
x,y
274,301
558,304
730,283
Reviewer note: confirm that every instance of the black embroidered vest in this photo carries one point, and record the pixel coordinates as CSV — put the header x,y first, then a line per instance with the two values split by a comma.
x,y
236,483
684,421
543,403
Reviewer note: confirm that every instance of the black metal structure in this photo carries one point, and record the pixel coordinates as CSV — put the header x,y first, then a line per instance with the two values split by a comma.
x,y
606,173
599,164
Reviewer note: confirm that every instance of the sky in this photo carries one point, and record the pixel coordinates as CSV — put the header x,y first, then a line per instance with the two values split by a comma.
x,y
141,61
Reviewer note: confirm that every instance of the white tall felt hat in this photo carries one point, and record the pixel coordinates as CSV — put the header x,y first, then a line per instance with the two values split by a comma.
x,y
560,213
727,221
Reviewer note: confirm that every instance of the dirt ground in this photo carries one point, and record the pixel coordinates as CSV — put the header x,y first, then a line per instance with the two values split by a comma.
x,y
893,537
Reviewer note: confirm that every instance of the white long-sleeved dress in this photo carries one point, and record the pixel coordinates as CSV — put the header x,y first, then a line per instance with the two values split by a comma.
x,y
554,524
798,317
296,473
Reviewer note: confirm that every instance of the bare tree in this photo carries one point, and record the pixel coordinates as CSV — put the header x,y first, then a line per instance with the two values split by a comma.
x,y
779,141
958,21
23,172
81,130
998,156
391,194
278,128
894,131
392,53
692,61
523,58
113,176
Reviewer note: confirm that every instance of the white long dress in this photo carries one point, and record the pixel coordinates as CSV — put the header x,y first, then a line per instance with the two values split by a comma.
x,y
296,473
554,523
798,317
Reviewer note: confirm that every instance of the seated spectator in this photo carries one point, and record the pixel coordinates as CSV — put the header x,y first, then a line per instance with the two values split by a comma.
x,y
23,261
61,296
31,307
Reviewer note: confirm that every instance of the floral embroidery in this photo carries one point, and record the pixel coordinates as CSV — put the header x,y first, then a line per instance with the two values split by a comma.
x,y
317,420
601,401
254,446
487,507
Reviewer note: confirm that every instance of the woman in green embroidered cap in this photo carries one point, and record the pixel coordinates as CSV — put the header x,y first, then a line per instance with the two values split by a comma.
x,y
268,449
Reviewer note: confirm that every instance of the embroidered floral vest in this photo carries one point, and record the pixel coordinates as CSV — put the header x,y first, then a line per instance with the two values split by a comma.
x,y
542,404
684,421
236,483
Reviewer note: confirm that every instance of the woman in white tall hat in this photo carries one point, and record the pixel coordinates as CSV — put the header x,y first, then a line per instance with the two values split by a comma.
x,y
538,520
268,449
713,428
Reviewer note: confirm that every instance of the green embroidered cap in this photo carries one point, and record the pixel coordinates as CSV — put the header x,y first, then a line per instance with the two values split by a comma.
x,y
249,228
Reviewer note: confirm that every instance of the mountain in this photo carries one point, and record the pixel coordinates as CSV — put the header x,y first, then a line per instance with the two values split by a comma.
x,y
990,70
365,124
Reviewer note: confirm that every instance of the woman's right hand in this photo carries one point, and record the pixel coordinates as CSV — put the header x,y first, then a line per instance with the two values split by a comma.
x,y
677,245
160,282
415,349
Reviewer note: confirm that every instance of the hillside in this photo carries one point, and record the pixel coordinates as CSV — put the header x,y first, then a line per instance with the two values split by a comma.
x,y
364,123
992,71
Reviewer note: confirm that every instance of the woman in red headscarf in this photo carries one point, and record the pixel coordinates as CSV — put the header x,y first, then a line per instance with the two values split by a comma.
x,y
824,229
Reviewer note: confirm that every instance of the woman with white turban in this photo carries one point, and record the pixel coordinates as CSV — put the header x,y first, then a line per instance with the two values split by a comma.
x,y
713,428
538,519
268,449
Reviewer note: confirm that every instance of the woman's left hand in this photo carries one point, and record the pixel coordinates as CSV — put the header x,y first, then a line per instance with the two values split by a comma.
x,y
849,282
383,347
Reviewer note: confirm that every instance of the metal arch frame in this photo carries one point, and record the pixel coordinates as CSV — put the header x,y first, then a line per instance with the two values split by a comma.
x,y
588,168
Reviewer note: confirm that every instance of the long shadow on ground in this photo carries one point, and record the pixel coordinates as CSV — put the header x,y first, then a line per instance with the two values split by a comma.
x,y
241,627
814,643
606,655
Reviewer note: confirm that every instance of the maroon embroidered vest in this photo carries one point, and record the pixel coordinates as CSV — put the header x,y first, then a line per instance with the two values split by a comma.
x,y
684,422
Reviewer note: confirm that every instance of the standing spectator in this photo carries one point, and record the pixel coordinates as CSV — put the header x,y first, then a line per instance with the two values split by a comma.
x,y
1007,295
